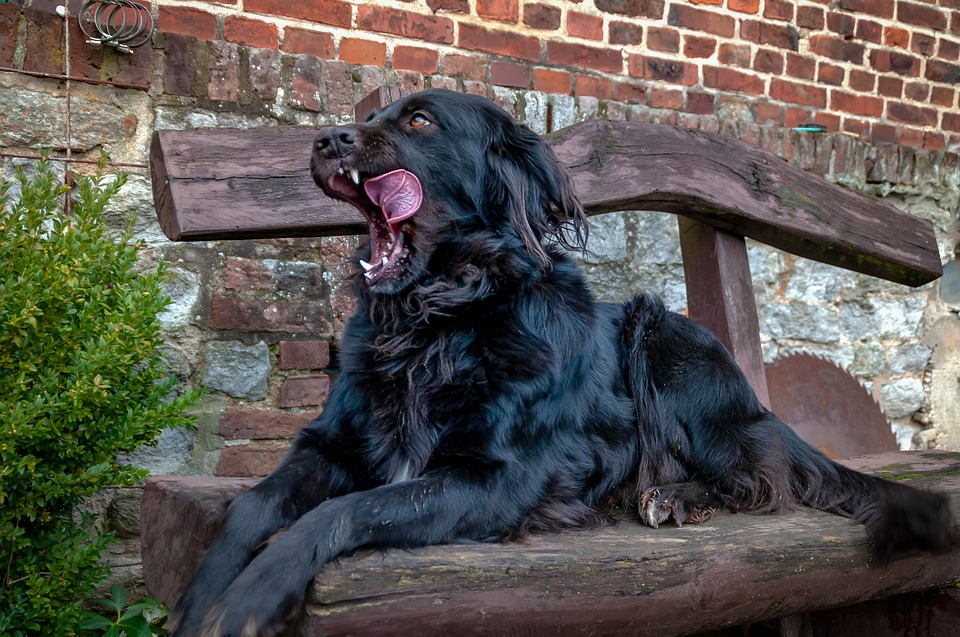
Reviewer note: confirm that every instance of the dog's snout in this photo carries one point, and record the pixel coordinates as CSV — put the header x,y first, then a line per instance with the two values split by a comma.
x,y
336,142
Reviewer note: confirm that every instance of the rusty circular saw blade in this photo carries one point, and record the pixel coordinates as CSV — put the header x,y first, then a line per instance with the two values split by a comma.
x,y
827,407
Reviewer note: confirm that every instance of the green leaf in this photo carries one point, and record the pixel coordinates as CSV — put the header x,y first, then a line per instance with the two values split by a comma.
x,y
96,622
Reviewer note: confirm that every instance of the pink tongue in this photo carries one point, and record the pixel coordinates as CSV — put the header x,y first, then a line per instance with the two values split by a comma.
x,y
398,194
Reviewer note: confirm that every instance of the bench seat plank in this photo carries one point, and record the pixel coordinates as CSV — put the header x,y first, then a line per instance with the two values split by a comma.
x,y
232,184
626,579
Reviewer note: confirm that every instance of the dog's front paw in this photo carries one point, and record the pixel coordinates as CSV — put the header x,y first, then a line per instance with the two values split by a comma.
x,y
681,503
249,619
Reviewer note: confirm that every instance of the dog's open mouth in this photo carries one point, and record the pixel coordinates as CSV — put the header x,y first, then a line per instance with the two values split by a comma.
x,y
388,202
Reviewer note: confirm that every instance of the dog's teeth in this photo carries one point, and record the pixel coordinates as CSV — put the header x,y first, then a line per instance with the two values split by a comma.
x,y
366,266
340,170
383,261
390,246
355,176
368,275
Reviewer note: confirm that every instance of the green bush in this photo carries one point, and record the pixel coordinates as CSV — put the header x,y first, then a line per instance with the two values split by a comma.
x,y
80,382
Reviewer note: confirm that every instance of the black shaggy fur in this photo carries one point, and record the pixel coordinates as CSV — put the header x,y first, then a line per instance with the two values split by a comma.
x,y
484,393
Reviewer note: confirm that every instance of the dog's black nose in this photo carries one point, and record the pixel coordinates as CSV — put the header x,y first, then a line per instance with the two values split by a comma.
x,y
335,142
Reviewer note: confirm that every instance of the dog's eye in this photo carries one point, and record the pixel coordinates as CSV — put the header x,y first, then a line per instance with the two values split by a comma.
x,y
418,120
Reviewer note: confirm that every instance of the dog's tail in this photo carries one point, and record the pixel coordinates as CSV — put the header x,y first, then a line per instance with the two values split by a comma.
x,y
897,517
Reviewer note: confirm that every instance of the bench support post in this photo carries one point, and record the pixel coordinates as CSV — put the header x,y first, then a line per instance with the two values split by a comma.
x,y
720,295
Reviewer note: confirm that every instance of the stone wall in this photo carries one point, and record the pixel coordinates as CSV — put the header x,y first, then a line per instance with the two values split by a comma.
x,y
257,322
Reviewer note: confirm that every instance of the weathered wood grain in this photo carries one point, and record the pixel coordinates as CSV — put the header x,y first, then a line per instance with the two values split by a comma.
x,y
227,184
720,296
625,579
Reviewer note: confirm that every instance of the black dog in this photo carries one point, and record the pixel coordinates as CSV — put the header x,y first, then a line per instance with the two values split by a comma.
x,y
484,393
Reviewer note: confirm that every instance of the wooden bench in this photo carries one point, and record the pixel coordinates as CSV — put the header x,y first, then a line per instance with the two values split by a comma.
x,y
230,184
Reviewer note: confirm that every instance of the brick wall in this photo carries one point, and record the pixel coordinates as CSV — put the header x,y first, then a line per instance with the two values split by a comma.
x,y
884,70
257,322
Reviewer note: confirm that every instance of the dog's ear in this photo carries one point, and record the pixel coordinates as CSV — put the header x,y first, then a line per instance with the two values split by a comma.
x,y
534,190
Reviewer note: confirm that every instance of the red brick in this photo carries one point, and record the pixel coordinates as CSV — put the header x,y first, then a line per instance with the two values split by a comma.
x,y
338,80
841,23
909,114
831,121
879,8
502,10
663,39
250,32
304,391
951,121
541,16
856,126
229,313
946,72
672,71
502,42
223,61
744,6
783,36
630,93
917,91
332,12
889,86
307,42
700,20
767,61
305,86
855,104
578,55
921,15
708,2
884,134
179,63
862,80
806,94
404,23
598,87
731,80
552,81
869,30
250,460
510,74
923,44
695,46
895,36
810,18
259,424
949,49
456,6
187,21
837,48
666,98
699,103
414,58
778,10
625,33
9,18
934,141
465,66
734,54
582,25
830,74
764,112
633,8
943,96
303,355
794,117
357,51
910,137
801,67
892,61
